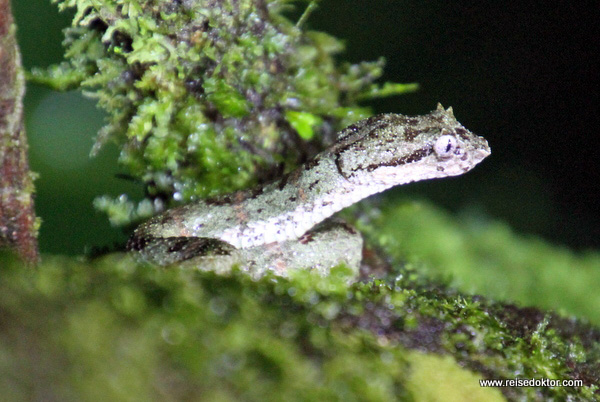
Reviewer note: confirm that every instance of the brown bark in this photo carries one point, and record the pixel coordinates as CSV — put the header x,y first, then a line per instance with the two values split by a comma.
x,y
18,226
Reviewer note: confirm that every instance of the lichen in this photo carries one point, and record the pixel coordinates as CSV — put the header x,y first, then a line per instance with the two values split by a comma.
x,y
208,97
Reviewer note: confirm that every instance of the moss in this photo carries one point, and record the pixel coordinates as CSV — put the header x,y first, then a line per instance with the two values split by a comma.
x,y
133,330
208,97
477,255
440,378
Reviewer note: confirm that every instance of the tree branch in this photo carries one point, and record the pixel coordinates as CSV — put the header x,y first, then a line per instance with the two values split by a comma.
x,y
18,224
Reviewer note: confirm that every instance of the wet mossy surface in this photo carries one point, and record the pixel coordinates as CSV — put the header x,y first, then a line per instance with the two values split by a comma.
x,y
73,328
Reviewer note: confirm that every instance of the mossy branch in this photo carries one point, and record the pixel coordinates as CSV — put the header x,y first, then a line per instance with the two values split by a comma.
x,y
18,224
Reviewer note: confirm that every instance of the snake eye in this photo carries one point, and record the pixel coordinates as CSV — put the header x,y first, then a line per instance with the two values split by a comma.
x,y
444,146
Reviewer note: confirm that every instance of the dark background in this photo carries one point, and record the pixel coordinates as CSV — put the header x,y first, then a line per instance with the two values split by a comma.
x,y
522,75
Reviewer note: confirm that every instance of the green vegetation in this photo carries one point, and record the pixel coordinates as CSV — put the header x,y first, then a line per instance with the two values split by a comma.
x,y
479,256
113,328
205,100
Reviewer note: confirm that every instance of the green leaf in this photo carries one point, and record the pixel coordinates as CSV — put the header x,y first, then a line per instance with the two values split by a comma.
x,y
303,122
388,89
59,77
226,98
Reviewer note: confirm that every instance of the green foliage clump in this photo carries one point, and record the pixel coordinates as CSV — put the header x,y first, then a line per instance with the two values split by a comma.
x,y
208,97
